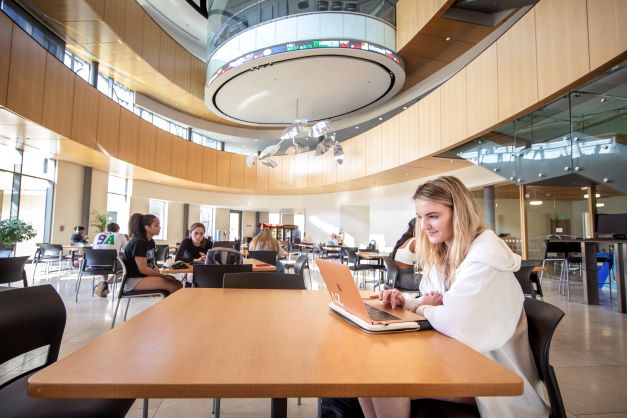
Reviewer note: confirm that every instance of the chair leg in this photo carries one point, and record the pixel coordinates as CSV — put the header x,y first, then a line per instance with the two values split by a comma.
x,y
216,407
93,285
298,402
319,414
115,313
128,302
145,410
78,285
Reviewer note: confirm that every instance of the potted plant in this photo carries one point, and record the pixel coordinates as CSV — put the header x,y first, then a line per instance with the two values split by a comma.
x,y
99,221
13,231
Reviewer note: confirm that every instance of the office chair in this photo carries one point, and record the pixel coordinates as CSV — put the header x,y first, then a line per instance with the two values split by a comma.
x,y
12,270
97,263
212,276
31,318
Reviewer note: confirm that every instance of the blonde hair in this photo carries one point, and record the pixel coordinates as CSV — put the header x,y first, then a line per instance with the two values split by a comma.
x,y
264,239
467,224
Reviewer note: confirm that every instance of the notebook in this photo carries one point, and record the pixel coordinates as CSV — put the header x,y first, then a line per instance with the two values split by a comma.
x,y
371,315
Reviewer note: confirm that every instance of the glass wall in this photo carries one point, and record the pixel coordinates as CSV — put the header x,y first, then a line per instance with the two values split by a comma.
x,y
118,202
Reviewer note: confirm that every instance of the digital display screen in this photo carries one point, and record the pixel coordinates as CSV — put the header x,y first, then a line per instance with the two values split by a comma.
x,y
309,44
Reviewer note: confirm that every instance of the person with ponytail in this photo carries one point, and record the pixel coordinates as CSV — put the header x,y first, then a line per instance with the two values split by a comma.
x,y
139,253
470,293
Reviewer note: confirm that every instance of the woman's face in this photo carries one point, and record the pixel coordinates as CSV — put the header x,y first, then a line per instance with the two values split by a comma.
x,y
154,228
197,234
435,220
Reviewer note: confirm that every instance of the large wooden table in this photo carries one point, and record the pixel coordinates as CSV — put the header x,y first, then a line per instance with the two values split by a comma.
x,y
257,266
234,343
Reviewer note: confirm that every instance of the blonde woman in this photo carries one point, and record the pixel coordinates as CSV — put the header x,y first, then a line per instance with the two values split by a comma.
x,y
264,241
469,293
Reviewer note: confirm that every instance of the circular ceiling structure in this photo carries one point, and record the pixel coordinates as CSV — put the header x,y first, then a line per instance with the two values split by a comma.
x,y
317,87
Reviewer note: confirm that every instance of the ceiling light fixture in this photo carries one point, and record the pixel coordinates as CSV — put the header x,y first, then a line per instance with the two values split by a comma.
x,y
535,201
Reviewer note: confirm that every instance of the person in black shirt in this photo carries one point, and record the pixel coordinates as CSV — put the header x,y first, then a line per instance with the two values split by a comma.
x,y
142,270
78,237
195,247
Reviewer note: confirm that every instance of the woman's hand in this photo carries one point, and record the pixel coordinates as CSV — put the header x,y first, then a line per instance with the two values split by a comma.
x,y
392,297
431,298
201,258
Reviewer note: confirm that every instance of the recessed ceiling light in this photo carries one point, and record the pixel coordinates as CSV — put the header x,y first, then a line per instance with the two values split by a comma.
x,y
448,38
380,118
404,107
356,127
256,140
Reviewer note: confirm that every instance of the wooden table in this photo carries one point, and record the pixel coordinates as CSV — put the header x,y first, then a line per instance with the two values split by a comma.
x,y
257,266
366,255
286,343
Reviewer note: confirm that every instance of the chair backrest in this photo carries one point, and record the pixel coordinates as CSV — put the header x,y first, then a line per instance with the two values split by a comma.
x,y
523,276
351,254
100,260
31,317
51,251
301,264
212,276
162,252
392,269
555,249
574,251
264,280
12,269
372,245
265,256
223,256
542,320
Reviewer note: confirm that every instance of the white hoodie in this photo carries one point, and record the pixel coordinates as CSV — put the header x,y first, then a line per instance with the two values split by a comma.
x,y
484,310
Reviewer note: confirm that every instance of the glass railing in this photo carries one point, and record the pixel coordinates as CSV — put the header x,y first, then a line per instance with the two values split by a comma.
x,y
582,135
229,18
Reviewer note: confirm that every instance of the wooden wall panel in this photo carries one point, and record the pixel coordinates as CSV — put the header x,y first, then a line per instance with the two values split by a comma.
x,y
84,113
25,91
129,136
482,100
343,171
58,97
237,171
517,73
98,6
287,173
300,171
146,147
210,166
411,16
108,130
429,123
183,66
358,156
223,169
390,143
329,168
195,154
275,174
314,170
250,177
197,78
163,151
373,150
134,27
115,15
562,44
152,42
408,141
454,126
262,176
179,157
606,30
167,56
6,33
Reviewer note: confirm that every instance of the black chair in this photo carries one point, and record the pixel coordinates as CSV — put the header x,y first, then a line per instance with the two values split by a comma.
x,y
265,256
162,253
97,263
523,276
404,280
302,263
352,257
12,270
49,254
223,256
31,318
264,280
542,320
212,276
556,252
132,293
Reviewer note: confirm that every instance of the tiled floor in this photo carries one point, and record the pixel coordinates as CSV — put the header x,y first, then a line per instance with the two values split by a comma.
x,y
589,353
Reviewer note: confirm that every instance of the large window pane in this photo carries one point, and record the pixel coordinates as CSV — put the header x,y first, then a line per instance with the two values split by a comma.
x,y
159,208
33,196
6,187
207,219
37,164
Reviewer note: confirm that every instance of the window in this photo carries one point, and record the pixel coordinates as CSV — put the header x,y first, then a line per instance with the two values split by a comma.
x,y
274,218
159,208
118,203
207,214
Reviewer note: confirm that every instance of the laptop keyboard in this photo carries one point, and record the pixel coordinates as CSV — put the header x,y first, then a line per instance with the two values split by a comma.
x,y
377,314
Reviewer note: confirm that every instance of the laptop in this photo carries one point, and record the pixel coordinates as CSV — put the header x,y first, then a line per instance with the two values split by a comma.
x,y
371,315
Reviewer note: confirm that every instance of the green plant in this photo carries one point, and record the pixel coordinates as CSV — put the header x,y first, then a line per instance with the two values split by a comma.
x,y
13,231
99,220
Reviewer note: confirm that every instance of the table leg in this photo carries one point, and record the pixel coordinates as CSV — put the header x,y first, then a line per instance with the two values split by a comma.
x,y
620,264
589,273
279,408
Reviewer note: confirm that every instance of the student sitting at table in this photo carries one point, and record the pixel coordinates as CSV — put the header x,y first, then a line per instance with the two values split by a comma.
x,y
112,239
195,247
78,236
140,257
470,293
264,241
404,255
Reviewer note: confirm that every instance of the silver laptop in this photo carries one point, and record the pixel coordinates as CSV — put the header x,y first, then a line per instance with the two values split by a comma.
x,y
371,315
